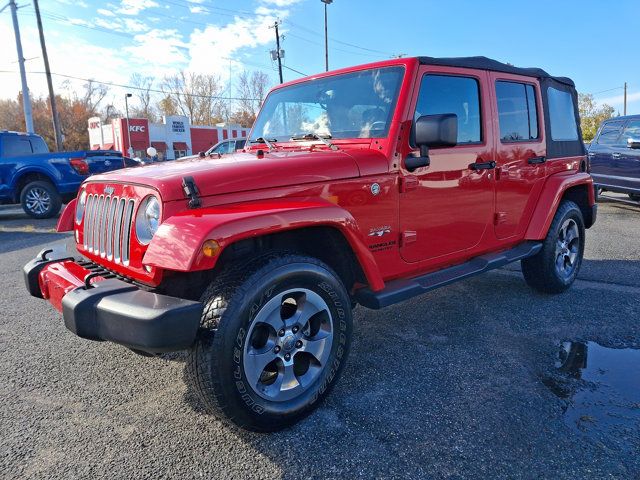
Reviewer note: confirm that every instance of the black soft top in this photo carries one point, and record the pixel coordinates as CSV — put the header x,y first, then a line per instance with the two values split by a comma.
x,y
484,63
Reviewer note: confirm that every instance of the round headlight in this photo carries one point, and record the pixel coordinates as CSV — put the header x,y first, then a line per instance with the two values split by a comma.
x,y
147,219
80,204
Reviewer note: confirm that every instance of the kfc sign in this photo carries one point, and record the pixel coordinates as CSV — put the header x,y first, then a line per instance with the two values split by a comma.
x,y
137,128
93,125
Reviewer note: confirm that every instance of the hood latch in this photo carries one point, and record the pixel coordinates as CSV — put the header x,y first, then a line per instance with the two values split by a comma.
x,y
191,191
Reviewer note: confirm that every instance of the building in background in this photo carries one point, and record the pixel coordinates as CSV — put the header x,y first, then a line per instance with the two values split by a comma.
x,y
175,137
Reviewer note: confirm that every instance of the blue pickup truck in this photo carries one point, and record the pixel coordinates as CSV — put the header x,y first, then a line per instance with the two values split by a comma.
x,y
614,155
40,180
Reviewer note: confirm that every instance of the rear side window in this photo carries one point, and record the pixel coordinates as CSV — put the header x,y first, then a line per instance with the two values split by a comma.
x,y
517,112
609,133
632,130
240,144
452,94
38,145
14,146
562,116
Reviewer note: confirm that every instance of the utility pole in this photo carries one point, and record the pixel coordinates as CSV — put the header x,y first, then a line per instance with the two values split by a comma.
x,y
57,131
26,99
326,35
625,98
126,107
278,51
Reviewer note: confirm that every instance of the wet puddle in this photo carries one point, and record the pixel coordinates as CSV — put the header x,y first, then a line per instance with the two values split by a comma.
x,y
602,391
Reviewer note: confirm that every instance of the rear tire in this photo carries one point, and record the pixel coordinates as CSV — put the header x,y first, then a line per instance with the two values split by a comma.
x,y
274,338
556,266
40,200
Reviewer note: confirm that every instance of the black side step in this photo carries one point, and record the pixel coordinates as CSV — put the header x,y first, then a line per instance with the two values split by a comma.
x,y
399,290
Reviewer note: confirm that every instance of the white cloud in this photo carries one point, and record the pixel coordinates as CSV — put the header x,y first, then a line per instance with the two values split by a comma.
x,y
106,13
76,3
134,7
198,9
282,3
618,100
157,52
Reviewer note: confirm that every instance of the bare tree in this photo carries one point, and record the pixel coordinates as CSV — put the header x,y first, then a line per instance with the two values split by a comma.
x,y
193,95
252,88
94,93
144,107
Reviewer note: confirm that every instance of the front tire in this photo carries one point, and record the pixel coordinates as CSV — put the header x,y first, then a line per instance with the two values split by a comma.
x,y
556,266
275,336
40,200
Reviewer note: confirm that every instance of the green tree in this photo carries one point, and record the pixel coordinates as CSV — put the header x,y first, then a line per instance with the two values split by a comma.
x,y
592,115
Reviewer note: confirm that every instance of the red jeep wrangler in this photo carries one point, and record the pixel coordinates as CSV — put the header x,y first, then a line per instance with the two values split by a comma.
x,y
368,185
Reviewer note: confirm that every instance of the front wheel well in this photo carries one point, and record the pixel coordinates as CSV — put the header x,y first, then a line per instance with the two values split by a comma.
x,y
327,244
579,194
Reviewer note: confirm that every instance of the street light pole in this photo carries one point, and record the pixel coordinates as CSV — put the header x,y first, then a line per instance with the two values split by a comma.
x,y
326,36
126,107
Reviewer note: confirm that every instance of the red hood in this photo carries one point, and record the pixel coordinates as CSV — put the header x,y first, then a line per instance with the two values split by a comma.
x,y
238,172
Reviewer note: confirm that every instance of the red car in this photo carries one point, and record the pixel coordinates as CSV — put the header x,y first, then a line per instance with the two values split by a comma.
x,y
367,185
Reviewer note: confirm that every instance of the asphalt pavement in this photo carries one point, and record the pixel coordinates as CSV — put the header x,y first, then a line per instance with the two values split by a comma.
x,y
464,382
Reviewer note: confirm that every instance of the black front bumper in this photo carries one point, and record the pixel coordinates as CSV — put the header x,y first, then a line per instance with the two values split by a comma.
x,y
119,312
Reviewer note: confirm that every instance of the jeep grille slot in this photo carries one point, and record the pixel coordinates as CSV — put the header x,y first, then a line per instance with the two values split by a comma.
x,y
107,227
126,234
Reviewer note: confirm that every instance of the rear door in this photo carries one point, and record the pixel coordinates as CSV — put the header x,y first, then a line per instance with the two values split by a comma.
x,y
520,151
630,157
446,207
605,152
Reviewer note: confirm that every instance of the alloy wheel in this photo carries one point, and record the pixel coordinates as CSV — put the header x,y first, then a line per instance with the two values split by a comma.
x,y
288,344
38,201
567,248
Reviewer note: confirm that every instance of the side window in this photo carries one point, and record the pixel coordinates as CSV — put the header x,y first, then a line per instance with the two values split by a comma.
x,y
38,145
632,130
562,116
222,148
14,146
240,144
609,133
517,112
451,94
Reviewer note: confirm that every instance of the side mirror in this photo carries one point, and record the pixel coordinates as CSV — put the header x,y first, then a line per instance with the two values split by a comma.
x,y
633,143
432,131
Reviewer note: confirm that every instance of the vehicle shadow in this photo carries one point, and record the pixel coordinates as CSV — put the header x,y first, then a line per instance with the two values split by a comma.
x,y
449,385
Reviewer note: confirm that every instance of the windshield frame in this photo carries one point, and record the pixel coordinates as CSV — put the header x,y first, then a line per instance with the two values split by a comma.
x,y
382,134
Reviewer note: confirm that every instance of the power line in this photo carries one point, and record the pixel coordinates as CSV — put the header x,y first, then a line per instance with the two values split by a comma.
x,y
133,87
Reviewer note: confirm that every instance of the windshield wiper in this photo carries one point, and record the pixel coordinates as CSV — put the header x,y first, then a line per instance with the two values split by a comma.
x,y
315,136
270,143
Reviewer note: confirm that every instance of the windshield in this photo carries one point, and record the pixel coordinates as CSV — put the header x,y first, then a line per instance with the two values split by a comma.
x,y
352,105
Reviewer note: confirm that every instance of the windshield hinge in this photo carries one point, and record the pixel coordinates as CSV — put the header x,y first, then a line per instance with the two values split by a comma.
x,y
191,191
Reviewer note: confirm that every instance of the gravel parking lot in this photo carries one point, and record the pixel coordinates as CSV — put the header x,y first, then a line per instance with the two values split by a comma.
x,y
460,383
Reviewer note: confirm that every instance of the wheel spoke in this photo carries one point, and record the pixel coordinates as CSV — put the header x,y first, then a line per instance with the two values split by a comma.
x,y
271,317
255,361
305,311
571,236
318,347
287,380
560,263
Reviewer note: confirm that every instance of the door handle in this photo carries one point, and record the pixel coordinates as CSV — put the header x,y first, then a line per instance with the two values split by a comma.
x,y
616,155
536,160
482,165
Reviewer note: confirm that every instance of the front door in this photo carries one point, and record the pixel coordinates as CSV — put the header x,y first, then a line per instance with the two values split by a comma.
x,y
446,207
520,152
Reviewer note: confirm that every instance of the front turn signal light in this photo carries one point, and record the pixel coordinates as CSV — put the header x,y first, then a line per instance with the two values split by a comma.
x,y
211,248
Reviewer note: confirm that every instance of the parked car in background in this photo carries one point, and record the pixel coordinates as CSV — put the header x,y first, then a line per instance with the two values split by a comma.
x,y
230,145
614,154
42,181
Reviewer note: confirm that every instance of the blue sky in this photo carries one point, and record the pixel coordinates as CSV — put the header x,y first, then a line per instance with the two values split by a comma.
x,y
593,42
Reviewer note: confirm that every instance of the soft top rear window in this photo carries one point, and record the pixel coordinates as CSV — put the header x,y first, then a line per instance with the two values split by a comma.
x,y
562,115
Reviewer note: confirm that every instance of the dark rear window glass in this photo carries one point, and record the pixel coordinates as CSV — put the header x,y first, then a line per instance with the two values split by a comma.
x,y
452,94
517,112
562,116
38,145
14,146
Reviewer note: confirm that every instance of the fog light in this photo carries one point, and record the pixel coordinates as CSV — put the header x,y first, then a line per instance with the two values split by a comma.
x,y
210,248
148,268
